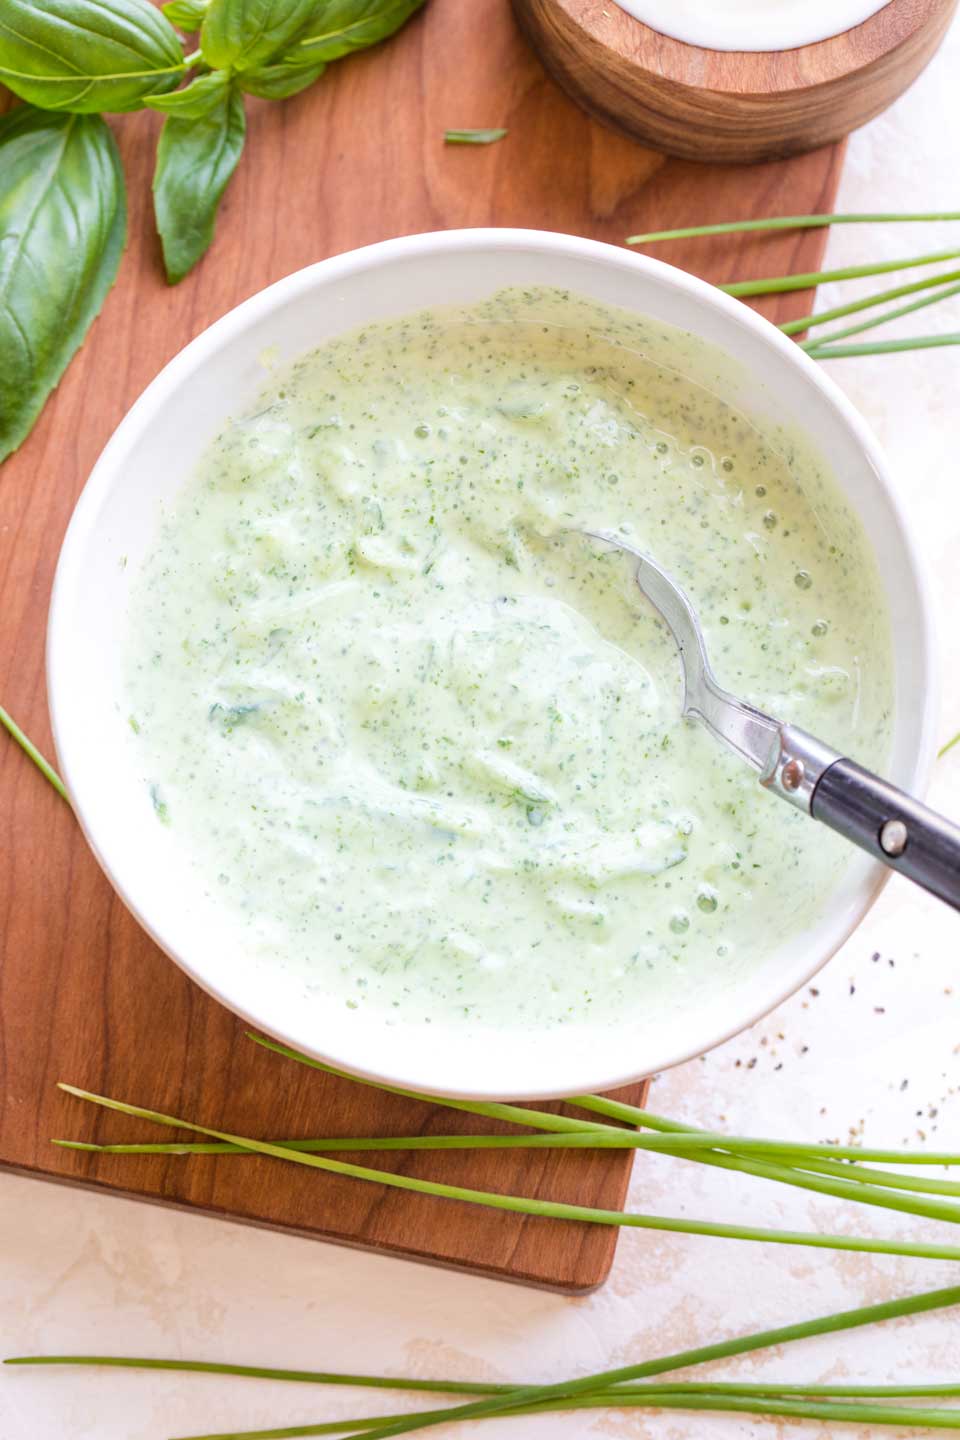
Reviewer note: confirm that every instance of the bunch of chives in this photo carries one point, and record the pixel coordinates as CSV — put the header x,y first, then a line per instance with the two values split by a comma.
x,y
942,286
819,1168
625,1387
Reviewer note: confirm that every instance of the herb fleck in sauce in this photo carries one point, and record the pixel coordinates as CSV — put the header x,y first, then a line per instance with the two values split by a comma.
x,y
424,741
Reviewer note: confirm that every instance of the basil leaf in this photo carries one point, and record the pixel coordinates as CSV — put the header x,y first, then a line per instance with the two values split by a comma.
x,y
198,98
63,222
348,25
195,159
187,15
244,34
280,81
87,55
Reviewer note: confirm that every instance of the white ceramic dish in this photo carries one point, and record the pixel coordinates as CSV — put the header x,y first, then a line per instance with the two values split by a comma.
x,y
155,449
752,24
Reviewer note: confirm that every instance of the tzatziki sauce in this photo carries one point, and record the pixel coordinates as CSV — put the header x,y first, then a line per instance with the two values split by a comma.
x,y
424,740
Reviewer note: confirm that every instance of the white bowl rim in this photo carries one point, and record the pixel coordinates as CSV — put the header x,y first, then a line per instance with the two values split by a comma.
x,y
218,335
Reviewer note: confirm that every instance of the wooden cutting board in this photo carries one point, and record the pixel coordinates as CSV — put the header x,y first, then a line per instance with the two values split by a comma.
x,y
84,995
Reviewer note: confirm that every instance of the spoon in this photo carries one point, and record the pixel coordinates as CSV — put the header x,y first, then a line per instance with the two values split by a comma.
x,y
890,825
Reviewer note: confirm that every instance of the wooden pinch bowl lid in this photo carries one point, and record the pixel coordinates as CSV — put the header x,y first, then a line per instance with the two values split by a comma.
x,y
728,105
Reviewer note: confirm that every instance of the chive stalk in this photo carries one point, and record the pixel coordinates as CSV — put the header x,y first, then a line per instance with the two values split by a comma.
x,y
785,222
341,1379
29,749
868,302
266,1372
842,1412
491,1109
868,1175
779,284
685,1145
883,347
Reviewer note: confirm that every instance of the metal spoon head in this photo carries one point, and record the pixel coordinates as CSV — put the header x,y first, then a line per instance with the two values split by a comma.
x,y
673,605
746,730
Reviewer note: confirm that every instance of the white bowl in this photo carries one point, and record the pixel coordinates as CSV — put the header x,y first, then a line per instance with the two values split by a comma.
x,y
150,456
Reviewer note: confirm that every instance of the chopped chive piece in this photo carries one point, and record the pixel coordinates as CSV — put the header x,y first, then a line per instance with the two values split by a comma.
x,y
782,222
472,137
161,809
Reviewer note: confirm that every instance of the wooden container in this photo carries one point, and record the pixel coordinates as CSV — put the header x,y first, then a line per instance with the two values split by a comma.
x,y
725,105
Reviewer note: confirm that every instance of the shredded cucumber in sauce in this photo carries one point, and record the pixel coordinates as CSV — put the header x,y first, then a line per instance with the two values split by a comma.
x,y
424,739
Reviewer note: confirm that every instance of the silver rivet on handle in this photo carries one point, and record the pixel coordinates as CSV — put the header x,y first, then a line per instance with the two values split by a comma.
x,y
791,776
893,838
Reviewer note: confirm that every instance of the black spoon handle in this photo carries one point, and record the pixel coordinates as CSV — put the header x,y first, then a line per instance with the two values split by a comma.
x,y
891,826
886,822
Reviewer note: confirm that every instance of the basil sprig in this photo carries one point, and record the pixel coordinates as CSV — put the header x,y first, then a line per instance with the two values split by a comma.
x,y
61,187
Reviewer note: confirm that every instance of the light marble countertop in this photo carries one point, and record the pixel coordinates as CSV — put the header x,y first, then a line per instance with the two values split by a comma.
x,y
874,1053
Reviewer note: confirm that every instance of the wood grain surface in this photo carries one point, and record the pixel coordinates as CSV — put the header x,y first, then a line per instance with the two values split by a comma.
x,y
723,106
84,995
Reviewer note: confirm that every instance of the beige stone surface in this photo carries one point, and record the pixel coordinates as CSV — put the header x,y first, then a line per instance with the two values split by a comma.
x,y
874,1053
